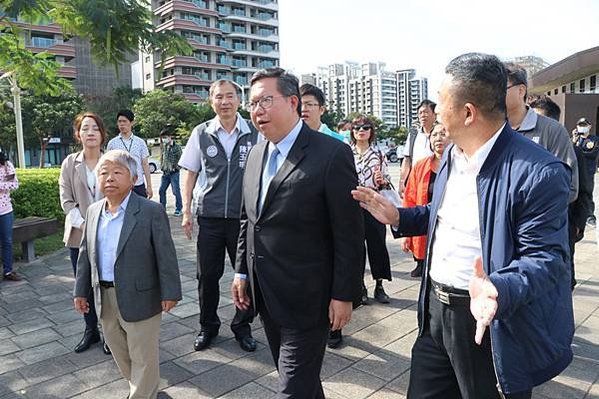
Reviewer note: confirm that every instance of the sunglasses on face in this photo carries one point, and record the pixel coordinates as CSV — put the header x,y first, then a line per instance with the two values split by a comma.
x,y
362,127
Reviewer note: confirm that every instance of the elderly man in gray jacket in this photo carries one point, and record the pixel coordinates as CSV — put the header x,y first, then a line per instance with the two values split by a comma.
x,y
128,258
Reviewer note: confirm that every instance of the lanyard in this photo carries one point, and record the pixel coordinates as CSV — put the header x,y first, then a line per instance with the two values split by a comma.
x,y
125,145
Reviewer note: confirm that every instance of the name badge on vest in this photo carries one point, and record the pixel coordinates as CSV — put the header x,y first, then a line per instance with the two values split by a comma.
x,y
212,151
536,139
243,153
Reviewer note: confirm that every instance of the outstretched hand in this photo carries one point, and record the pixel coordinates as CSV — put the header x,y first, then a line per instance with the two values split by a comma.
x,y
379,207
483,299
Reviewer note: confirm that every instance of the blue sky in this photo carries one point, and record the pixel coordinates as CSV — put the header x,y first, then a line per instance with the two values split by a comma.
x,y
427,34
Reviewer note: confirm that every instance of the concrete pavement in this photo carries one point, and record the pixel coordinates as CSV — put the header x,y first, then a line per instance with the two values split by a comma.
x,y
39,328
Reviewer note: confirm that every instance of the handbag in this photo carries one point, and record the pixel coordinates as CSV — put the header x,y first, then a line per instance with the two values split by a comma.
x,y
391,194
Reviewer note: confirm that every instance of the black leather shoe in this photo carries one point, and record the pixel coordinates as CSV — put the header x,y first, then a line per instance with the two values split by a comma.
x,y
335,339
105,348
364,296
417,272
247,343
90,337
380,295
203,340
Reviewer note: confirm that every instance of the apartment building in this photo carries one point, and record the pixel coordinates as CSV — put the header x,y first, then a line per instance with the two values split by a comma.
x,y
231,40
369,88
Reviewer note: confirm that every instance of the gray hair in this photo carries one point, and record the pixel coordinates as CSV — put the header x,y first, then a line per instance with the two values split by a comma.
x,y
120,157
220,82
287,83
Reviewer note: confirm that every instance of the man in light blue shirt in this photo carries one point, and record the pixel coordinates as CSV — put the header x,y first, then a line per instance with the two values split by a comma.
x,y
109,231
313,108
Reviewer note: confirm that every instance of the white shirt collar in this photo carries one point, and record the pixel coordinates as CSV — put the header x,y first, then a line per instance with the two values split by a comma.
x,y
480,156
122,206
241,125
284,146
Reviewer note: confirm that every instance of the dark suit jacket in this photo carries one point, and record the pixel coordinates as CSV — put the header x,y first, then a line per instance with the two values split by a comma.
x,y
145,271
306,245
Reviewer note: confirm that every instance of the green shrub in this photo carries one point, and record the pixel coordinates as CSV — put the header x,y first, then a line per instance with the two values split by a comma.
x,y
37,194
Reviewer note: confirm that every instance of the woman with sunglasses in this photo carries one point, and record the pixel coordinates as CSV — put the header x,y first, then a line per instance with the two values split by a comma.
x,y
78,190
371,167
419,191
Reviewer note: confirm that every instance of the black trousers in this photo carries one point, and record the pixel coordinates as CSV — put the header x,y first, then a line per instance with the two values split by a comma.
x,y
91,318
298,355
447,363
141,190
376,248
216,235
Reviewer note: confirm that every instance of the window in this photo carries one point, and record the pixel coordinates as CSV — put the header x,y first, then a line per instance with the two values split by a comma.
x,y
563,89
593,83
148,58
572,87
555,91
581,85
148,76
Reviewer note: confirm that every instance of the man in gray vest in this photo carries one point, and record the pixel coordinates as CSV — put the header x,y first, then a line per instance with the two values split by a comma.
x,y
217,149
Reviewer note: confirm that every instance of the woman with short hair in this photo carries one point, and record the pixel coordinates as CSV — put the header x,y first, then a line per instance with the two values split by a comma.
x,y
8,182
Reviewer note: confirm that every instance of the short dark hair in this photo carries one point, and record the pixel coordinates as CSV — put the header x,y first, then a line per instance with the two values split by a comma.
x,y
3,158
287,83
168,130
516,74
547,105
427,103
479,79
310,90
127,113
364,119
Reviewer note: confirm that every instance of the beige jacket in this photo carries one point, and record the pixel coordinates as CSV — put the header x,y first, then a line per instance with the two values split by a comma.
x,y
74,193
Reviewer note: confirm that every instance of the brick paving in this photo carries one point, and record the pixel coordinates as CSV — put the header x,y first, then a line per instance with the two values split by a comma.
x,y
39,328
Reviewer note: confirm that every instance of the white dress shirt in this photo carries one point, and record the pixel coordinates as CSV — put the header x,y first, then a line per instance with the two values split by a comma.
x,y
284,146
108,235
457,239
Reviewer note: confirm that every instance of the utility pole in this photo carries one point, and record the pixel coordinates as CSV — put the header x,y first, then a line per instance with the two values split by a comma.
x,y
16,92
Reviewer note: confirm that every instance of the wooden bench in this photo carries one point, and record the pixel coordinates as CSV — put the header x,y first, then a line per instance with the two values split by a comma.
x,y
27,230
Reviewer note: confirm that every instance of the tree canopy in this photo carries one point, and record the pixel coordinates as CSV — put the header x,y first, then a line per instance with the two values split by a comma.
x,y
115,29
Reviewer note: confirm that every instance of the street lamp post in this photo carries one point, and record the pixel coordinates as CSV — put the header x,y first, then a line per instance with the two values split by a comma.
x,y
16,92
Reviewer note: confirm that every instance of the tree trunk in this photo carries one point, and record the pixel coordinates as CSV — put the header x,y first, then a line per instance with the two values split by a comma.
x,y
43,146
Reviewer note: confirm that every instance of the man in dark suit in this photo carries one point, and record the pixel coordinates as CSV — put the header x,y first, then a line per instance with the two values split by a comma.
x,y
301,235
127,257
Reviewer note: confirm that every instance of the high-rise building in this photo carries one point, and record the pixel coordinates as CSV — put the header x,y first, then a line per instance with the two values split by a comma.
x,y
411,91
369,88
230,40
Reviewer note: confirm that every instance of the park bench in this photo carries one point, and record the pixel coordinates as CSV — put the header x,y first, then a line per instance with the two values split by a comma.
x,y
27,230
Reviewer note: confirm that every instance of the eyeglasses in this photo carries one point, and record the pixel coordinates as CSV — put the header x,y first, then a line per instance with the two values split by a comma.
x,y
362,127
512,85
264,103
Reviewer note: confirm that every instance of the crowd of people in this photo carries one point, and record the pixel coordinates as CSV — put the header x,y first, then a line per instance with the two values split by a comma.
x,y
491,190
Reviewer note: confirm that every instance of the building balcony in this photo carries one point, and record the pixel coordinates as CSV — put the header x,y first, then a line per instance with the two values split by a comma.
x,y
208,47
185,61
266,4
184,24
59,48
180,5
254,36
173,80
271,54
67,72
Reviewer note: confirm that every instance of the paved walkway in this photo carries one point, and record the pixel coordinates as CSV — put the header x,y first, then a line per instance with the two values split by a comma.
x,y
39,328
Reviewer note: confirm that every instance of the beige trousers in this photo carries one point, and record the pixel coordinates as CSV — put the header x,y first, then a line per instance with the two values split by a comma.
x,y
134,346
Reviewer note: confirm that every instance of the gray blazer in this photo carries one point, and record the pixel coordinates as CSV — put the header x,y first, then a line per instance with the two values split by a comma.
x,y
145,271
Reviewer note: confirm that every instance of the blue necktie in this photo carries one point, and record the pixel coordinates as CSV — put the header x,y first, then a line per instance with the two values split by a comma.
x,y
271,171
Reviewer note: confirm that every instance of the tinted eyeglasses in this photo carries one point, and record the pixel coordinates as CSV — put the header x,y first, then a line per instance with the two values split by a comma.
x,y
362,127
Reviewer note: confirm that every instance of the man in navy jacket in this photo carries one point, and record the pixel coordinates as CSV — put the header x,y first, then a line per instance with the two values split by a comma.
x,y
497,252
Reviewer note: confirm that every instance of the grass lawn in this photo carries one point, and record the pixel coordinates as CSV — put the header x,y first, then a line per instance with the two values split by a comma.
x,y
43,246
